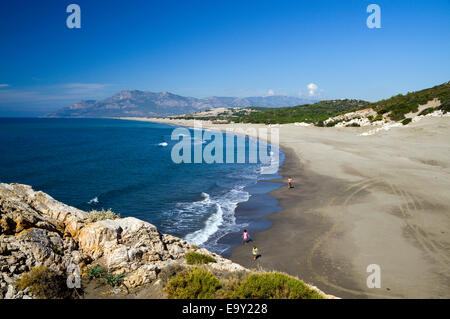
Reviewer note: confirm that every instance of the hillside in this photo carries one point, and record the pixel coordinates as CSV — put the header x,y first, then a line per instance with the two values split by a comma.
x,y
397,106
353,112
149,104
308,113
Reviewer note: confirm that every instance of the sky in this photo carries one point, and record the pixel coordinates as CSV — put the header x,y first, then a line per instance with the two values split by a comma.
x,y
317,49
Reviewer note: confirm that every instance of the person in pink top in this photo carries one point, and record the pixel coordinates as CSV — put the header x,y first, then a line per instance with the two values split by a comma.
x,y
245,236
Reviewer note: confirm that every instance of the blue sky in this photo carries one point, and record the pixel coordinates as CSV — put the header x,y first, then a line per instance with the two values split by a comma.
x,y
218,47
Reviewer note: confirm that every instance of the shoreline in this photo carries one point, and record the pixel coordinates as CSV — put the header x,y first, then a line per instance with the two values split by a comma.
x,y
359,201
261,203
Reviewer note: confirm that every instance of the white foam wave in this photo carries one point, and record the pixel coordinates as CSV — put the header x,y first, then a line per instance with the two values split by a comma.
x,y
223,220
211,226
163,144
93,201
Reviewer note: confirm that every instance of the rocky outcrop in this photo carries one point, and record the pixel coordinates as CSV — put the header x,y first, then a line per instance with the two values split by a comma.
x,y
35,230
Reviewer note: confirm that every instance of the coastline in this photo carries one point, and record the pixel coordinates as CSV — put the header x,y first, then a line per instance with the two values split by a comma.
x,y
346,213
256,209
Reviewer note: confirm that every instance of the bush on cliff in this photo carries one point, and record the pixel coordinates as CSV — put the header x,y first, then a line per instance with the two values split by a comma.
x,y
169,271
406,121
96,215
114,280
272,286
426,111
197,283
44,283
193,258
379,117
96,271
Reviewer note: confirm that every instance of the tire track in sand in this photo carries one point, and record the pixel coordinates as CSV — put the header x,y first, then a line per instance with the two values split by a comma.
x,y
362,185
419,235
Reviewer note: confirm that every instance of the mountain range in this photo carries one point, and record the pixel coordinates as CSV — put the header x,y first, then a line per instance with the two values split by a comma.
x,y
150,104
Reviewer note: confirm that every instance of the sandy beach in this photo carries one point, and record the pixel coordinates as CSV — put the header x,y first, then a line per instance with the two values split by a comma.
x,y
359,200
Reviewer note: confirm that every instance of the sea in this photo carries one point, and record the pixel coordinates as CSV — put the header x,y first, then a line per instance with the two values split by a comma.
x,y
127,166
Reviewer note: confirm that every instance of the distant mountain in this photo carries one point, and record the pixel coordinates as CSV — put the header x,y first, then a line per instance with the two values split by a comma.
x,y
149,104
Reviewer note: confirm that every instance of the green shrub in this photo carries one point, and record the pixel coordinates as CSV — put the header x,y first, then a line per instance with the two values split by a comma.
x,y
96,215
96,272
445,105
114,280
332,123
379,117
427,111
44,283
197,283
406,121
169,271
320,124
193,258
400,105
354,124
272,286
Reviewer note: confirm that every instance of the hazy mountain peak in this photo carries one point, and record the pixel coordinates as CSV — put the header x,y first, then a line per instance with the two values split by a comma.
x,y
150,104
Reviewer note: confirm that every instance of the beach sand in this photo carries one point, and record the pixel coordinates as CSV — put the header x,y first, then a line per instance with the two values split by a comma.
x,y
359,200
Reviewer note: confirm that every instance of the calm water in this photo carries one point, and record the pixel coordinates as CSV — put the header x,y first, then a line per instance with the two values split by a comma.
x,y
102,163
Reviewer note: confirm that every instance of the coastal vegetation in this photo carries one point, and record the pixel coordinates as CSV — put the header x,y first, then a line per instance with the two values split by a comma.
x,y
407,121
323,113
196,283
114,280
96,215
399,105
98,272
199,283
308,113
273,285
193,258
44,283
95,272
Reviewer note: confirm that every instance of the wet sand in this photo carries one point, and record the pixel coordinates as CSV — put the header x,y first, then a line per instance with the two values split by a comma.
x,y
360,200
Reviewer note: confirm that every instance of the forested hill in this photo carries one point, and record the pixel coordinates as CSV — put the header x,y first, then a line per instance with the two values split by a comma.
x,y
399,105
393,108
309,113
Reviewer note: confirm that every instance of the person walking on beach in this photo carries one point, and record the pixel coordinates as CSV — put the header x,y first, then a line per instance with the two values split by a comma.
x,y
245,236
290,182
255,253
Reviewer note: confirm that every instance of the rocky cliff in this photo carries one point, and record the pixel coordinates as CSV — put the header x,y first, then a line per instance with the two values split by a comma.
x,y
36,230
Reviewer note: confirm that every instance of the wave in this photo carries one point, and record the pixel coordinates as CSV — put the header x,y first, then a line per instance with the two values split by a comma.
x,y
211,226
222,220
93,201
163,144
